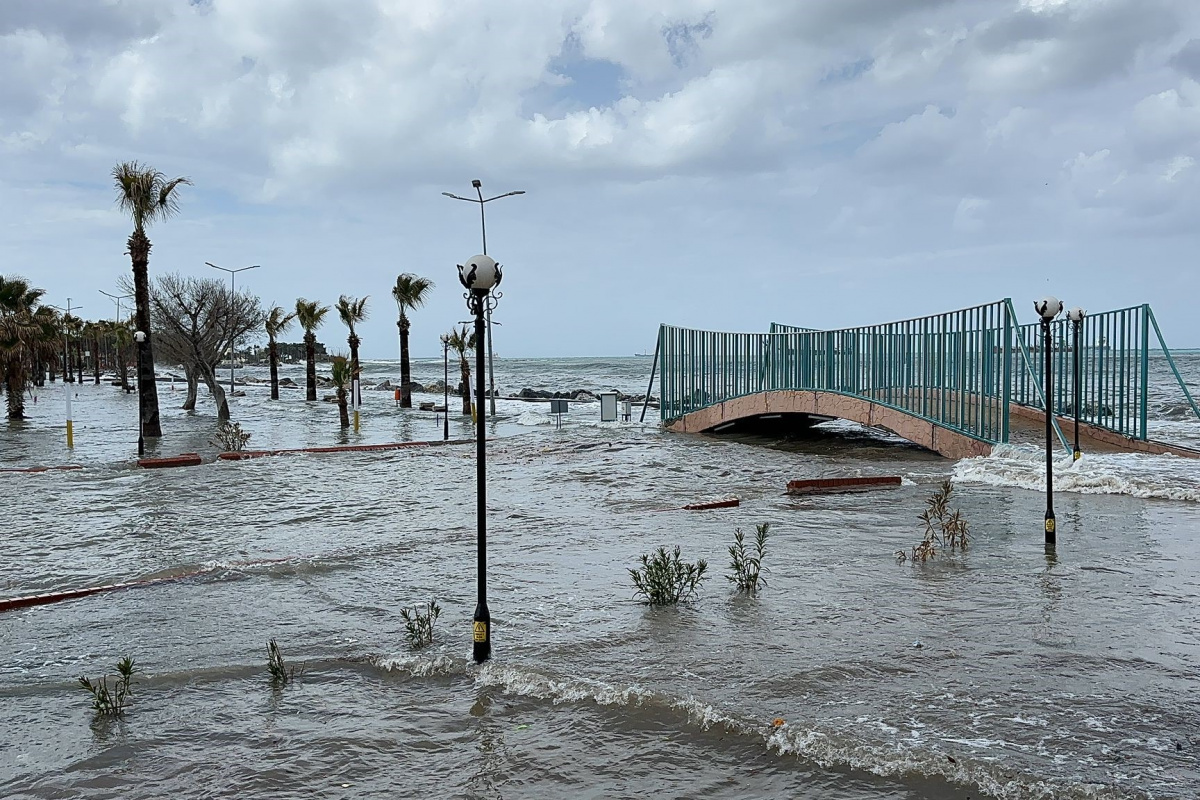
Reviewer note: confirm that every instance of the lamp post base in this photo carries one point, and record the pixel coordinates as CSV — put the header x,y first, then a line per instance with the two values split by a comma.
x,y
482,634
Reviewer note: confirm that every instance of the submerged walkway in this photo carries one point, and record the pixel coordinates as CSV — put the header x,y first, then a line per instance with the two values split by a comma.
x,y
953,383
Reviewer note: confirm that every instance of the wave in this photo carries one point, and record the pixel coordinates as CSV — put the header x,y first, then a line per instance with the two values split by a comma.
x,y
1161,477
825,749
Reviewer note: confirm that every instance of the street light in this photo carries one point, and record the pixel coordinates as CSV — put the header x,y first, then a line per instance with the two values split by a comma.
x,y
477,184
446,388
1076,315
140,338
1048,309
480,275
232,275
68,374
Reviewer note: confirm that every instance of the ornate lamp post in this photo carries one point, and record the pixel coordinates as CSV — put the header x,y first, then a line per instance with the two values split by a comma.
x,y
140,338
477,185
480,276
1048,309
1076,315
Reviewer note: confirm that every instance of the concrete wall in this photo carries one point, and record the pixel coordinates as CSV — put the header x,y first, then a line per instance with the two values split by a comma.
x,y
947,442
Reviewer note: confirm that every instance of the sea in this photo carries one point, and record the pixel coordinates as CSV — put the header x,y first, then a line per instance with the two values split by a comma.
x,y
1001,671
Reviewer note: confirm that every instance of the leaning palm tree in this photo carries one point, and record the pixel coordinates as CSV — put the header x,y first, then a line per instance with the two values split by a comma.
x,y
352,311
409,292
461,341
342,376
310,314
277,322
147,196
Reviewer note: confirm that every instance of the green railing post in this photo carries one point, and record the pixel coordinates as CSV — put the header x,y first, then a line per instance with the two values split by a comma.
x,y
1145,396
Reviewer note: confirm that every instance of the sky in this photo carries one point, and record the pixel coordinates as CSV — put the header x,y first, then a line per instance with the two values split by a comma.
x,y
717,164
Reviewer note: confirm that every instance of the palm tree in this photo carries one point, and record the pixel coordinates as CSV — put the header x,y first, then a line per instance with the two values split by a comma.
x,y
28,333
310,314
409,292
352,311
342,375
277,322
461,341
146,196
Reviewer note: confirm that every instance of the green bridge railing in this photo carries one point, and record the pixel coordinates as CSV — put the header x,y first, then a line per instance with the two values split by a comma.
x,y
961,369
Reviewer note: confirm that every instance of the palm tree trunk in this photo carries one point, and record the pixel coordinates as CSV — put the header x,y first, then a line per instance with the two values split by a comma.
x,y
14,389
343,414
139,253
96,358
310,353
355,371
273,356
79,359
465,368
405,369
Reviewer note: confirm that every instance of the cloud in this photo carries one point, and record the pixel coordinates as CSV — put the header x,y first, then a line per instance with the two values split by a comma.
x,y
705,132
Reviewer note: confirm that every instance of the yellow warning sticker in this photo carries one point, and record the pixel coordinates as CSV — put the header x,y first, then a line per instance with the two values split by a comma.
x,y
481,631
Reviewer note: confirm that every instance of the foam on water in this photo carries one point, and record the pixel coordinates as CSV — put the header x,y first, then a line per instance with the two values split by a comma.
x,y
1148,476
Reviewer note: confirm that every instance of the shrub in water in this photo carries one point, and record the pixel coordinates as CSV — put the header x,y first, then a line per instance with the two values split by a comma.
x,y
418,624
111,702
745,565
281,673
229,437
665,579
943,528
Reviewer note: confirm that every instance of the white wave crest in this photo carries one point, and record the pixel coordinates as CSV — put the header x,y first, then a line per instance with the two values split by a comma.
x,y
1138,475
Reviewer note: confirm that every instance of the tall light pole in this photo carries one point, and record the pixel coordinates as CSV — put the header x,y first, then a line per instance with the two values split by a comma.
x,y
445,388
118,298
477,184
67,373
232,275
140,338
480,276
1076,315
1048,309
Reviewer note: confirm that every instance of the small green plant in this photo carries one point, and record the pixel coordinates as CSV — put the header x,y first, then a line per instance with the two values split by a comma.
x,y
230,438
746,566
665,579
281,673
111,702
943,528
418,624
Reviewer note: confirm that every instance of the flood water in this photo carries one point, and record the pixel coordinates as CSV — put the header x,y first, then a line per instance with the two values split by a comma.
x,y
997,672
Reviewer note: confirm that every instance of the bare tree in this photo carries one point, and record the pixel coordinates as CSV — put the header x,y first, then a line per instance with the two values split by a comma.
x,y
199,320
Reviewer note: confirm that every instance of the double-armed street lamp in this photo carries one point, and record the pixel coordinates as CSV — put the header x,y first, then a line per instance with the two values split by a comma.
x,y
68,373
1048,309
140,338
232,275
478,186
480,275
1076,316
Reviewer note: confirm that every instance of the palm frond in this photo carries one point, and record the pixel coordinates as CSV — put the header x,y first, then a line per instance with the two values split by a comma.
x,y
410,290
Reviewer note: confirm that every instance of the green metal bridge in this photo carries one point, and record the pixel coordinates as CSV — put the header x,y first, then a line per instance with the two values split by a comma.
x,y
955,382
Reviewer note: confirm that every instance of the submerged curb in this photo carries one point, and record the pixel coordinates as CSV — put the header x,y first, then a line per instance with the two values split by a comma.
x,y
819,485
181,460
242,455
728,502
13,603
42,469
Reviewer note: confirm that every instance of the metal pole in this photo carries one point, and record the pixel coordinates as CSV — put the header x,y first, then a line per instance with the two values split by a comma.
x,y
491,361
1078,325
482,627
232,349
445,389
653,369
1051,537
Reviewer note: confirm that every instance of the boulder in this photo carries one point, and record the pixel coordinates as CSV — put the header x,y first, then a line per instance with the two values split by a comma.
x,y
437,387
288,382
